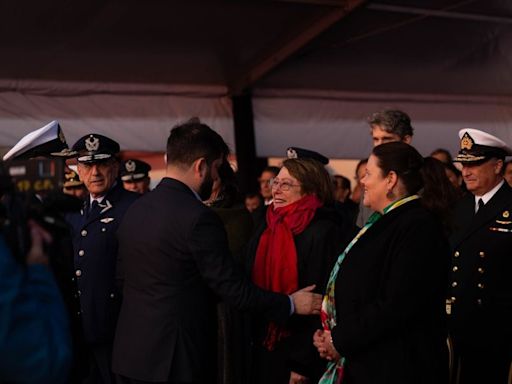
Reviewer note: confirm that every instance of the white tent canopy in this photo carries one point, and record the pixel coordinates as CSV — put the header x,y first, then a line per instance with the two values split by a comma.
x,y
316,69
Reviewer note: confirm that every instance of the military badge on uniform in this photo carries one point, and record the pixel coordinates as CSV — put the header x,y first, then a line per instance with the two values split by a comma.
x,y
107,220
506,214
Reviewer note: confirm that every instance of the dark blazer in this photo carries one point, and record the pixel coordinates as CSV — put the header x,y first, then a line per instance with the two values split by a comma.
x,y
317,249
95,255
389,296
174,259
481,272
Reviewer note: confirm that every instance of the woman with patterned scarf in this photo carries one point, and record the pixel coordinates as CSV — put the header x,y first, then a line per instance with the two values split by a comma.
x,y
295,247
383,313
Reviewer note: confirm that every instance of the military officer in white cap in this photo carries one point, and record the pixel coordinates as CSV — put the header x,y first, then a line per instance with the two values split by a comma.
x,y
479,303
95,249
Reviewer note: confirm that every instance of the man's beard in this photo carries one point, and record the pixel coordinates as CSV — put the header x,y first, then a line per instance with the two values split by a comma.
x,y
205,189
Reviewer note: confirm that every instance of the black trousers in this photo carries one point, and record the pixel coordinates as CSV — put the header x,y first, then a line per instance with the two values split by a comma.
x,y
100,365
125,380
478,364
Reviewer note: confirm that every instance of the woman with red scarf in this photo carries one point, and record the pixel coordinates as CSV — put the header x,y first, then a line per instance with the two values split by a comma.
x,y
295,247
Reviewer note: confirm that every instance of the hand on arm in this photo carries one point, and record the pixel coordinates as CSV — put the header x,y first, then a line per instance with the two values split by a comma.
x,y
306,302
295,378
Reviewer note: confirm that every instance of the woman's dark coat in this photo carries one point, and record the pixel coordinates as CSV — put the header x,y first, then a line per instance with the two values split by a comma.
x,y
389,296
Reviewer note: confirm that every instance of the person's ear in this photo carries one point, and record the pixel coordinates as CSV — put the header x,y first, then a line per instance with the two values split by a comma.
x,y
199,166
392,180
498,166
407,139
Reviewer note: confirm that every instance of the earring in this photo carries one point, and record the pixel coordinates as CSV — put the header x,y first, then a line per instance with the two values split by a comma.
x,y
390,195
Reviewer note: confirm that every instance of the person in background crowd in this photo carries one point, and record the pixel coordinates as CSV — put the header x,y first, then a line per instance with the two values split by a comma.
x,y
294,247
479,302
357,193
439,196
226,201
342,190
253,201
95,249
386,126
35,341
174,268
443,155
135,175
507,174
73,185
267,174
383,312
454,175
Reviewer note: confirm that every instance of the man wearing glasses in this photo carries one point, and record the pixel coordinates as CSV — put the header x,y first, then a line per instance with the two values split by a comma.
x,y
95,250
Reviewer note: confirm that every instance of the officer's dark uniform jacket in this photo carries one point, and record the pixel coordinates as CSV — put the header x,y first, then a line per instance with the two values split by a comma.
x,y
95,252
480,292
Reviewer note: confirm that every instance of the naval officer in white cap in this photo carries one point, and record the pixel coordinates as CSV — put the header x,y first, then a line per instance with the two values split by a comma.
x,y
479,303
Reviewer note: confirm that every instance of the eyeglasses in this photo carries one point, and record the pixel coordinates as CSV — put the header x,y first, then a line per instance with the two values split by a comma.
x,y
282,185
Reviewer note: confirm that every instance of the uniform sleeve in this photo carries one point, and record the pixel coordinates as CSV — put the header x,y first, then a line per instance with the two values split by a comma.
x,y
209,247
35,342
415,284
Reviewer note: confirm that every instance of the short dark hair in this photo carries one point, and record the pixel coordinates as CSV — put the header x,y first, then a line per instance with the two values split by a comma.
x,y
342,181
444,152
272,169
392,121
192,140
313,177
404,160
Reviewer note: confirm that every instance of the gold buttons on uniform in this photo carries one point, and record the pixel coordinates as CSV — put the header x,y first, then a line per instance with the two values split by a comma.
x,y
103,229
455,268
81,252
482,254
454,284
480,285
84,232
480,270
456,254
78,273
479,301
453,298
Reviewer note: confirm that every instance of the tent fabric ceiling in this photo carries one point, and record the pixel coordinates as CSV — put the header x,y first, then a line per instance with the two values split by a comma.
x,y
136,67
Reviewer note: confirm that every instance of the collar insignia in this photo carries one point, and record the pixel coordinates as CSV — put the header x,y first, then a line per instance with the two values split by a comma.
x,y
92,143
105,206
130,166
466,142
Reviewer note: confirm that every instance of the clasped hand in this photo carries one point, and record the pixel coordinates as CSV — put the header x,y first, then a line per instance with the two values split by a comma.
x,y
322,340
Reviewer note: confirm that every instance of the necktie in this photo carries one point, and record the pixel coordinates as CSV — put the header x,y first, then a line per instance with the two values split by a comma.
x,y
480,205
93,207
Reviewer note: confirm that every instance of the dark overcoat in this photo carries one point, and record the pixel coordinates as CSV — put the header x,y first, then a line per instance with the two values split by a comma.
x,y
389,296
317,249
174,262
95,253
480,286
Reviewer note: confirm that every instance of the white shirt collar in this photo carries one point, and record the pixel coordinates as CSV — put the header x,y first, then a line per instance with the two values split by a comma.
x,y
488,196
98,199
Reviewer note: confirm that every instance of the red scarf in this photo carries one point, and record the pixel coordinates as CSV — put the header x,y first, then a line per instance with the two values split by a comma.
x,y
275,265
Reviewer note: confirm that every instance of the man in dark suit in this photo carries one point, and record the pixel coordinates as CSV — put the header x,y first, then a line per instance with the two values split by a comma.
x,y
175,265
95,249
479,303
